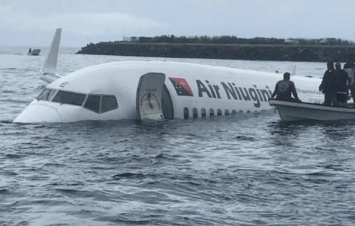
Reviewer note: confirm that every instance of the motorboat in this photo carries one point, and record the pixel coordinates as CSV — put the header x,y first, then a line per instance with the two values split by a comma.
x,y
33,52
295,111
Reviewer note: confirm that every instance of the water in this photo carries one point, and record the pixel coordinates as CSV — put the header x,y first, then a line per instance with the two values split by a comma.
x,y
248,169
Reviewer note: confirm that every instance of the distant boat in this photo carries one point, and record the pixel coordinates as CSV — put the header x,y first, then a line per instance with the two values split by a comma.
x,y
292,111
33,52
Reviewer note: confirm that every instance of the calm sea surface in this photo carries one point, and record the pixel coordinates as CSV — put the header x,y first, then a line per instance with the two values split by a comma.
x,y
248,169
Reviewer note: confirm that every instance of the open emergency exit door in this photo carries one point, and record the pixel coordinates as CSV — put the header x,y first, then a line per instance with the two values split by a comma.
x,y
149,96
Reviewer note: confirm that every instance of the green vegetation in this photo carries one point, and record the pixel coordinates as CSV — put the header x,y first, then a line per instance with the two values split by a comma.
x,y
235,40
227,47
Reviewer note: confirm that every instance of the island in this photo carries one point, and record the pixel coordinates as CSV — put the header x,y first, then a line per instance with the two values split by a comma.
x,y
227,47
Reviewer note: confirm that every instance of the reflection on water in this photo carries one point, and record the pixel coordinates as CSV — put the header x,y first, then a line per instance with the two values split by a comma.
x,y
334,130
284,133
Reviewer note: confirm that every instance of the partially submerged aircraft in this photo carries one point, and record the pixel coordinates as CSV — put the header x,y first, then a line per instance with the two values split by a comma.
x,y
153,90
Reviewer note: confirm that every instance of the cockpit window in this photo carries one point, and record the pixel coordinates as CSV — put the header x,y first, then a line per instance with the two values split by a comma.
x,y
108,103
46,94
69,98
93,103
101,103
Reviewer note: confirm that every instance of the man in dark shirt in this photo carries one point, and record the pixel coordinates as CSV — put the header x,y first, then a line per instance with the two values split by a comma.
x,y
284,88
327,86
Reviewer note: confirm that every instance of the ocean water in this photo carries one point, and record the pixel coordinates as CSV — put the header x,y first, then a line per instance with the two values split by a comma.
x,y
247,169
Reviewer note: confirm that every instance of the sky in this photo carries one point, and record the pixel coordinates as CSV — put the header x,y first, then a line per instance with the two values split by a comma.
x,y
32,22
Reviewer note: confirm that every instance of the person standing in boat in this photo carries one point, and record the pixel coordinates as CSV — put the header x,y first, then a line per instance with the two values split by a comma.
x,y
349,67
284,88
341,85
327,86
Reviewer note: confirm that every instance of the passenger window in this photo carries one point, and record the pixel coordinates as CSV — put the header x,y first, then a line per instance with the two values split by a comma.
x,y
46,94
108,103
194,113
93,103
203,113
186,113
69,98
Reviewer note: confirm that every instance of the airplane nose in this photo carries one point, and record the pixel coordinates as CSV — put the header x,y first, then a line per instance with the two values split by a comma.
x,y
37,112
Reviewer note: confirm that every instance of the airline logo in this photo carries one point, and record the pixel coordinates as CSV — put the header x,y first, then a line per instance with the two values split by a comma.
x,y
227,90
181,86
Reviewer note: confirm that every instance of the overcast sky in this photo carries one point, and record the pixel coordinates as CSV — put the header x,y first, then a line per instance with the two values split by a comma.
x,y
32,22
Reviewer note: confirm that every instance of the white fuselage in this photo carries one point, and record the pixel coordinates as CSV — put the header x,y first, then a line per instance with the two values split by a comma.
x,y
210,90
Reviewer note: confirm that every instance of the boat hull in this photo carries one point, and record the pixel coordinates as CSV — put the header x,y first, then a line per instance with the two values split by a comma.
x,y
292,111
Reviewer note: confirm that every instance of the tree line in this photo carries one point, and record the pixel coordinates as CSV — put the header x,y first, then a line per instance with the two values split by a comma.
x,y
225,39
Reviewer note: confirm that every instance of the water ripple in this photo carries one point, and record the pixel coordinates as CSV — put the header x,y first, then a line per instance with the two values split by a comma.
x,y
246,169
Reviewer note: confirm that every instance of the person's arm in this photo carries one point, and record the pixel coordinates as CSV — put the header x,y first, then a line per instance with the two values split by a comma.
x,y
348,79
294,92
350,73
321,85
275,91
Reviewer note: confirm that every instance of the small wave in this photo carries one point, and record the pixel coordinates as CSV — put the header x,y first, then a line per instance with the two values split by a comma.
x,y
13,156
6,121
4,191
9,68
15,101
123,220
319,174
67,191
71,184
128,175
245,138
53,164
10,173
8,91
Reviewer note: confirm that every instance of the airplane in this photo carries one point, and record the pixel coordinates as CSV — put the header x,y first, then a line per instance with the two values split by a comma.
x,y
153,90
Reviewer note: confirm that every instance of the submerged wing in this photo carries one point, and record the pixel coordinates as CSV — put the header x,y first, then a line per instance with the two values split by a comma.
x,y
50,63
